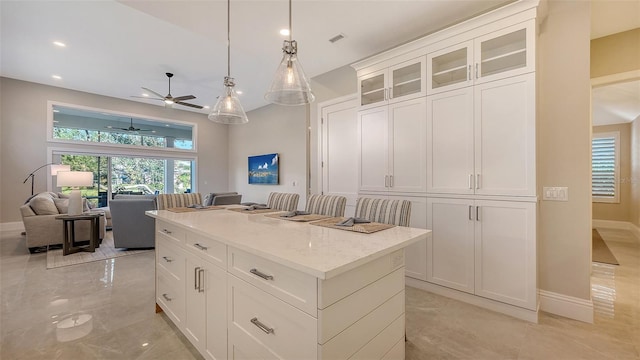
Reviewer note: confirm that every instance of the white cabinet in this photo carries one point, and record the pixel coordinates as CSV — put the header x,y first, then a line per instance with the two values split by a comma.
x,y
205,320
481,139
396,82
499,54
392,141
482,247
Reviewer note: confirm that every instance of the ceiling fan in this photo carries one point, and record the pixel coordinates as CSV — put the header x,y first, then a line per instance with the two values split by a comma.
x,y
130,128
170,100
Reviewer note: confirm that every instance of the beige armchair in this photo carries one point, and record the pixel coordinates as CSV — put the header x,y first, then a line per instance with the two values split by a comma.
x,y
42,228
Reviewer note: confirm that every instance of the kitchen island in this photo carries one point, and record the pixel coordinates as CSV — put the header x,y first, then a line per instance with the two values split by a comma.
x,y
243,286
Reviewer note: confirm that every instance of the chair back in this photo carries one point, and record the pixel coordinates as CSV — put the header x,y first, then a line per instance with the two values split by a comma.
x,y
283,201
395,212
227,199
167,201
331,205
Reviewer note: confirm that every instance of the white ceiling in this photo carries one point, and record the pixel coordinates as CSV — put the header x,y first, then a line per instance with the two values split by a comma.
x,y
115,47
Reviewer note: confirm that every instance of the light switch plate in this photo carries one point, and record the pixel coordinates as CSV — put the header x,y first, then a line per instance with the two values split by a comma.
x,y
555,193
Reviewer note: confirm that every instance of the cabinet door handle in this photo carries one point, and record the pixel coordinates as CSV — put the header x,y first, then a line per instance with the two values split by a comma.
x,y
166,231
469,73
477,213
256,272
262,326
166,297
470,212
470,178
390,93
385,94
386,181
476,70
477,181
195,278
167,259
200,282
203,248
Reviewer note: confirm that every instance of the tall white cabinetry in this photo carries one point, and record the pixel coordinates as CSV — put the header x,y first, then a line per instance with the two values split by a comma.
x,y
479,151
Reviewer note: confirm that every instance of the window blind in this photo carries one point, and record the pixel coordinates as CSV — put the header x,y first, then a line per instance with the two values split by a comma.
x,y
603,170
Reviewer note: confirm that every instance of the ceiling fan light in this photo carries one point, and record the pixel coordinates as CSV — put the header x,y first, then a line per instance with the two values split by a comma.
x,y
290,85
228,109
168,101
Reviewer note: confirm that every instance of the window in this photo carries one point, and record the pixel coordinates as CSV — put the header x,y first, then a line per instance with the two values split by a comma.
x,y
605,161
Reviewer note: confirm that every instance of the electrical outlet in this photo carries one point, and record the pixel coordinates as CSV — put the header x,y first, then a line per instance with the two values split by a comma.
x,y
556,193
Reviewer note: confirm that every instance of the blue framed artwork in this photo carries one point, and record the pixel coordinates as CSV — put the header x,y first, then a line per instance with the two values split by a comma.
x,y
263,169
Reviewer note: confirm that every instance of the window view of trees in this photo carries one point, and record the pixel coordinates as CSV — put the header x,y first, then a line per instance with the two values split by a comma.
x,y
111,137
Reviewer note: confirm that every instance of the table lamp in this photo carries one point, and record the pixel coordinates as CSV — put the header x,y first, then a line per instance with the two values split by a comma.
x,y
74,179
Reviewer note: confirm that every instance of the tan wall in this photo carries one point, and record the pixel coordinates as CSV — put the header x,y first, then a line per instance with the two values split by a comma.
x,y
564,147
634,211
23,138
615,53
618,211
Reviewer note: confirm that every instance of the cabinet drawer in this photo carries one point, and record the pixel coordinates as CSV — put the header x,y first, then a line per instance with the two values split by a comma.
x,y
170,296
170,231
270,322
214,251
291,286
170,258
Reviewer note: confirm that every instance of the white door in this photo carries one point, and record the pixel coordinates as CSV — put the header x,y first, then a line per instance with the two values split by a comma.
x,y
215,288
505,246
407,146
340,151
195,319
373,141
450,142
505,137
450,248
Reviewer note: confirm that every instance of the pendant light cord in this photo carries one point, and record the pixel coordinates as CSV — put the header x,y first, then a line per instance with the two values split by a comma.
x,y
290,29
228,38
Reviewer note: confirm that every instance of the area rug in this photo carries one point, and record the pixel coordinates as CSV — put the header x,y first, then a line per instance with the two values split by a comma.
x,y
105,251
600,251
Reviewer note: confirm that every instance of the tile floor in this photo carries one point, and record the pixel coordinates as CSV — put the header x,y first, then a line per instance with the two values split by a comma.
x,y
37,305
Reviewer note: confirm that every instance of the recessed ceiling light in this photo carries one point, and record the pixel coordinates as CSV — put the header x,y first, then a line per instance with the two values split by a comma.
x,y
239,92
59,43
57,77
284,32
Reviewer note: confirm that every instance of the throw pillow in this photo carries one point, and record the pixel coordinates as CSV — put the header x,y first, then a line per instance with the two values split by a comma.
x,y
63,196
43,205
62,205
208,200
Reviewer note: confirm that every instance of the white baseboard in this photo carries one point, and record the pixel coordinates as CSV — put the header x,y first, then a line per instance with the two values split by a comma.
x,y
567,306
12,226
515,311
621,225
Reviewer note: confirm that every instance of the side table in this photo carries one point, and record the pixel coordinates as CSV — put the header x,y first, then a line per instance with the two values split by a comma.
x,y
69,245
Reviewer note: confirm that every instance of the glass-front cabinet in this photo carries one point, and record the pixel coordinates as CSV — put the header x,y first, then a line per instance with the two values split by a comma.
x,y
505,53
395,83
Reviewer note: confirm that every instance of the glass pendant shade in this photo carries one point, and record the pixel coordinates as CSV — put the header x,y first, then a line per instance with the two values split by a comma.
x,y
290,85
228,109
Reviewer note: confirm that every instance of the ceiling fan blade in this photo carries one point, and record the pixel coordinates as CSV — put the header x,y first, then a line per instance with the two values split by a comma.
x,y
186,97
153,92
146,97
187,104
144,130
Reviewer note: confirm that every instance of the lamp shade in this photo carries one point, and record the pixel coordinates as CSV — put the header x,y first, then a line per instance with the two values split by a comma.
x,y
290,85
228,109
74,178
55,168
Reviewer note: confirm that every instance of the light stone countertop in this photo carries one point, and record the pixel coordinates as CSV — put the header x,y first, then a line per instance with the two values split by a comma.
x,y
315,250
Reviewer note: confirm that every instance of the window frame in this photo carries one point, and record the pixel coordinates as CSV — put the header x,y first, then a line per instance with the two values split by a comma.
x,y
616,183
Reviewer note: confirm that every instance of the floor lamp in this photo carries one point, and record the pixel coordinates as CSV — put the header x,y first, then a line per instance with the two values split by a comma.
x,y
54,171
74,179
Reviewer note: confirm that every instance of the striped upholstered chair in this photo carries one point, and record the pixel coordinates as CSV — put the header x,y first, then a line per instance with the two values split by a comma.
x,y
283,201
396,212
331,205
167,201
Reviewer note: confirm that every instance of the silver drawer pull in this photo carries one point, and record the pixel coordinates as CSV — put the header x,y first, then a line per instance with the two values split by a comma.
x,y
167,259
203,248
262,275
262,326
166,297
166,231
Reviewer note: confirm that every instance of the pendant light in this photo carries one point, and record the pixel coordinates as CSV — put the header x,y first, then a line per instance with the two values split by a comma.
x,y
290,85
228,109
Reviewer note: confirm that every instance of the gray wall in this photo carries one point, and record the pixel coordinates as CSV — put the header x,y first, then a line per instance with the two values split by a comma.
x,y
23,146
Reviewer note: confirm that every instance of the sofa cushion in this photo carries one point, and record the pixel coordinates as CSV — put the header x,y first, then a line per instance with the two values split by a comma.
x,y
43,205
62,205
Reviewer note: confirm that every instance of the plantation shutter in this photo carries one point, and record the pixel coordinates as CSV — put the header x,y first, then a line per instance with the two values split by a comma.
x,y
603,170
